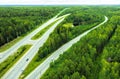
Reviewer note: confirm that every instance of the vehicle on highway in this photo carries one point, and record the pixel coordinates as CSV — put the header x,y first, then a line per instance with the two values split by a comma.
x,y
27,59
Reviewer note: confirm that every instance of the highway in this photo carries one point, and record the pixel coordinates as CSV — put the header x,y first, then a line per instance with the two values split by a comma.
x,y
27,40
18,68
40,70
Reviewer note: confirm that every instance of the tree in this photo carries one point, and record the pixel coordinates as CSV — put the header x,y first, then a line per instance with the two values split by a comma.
x,y
75,75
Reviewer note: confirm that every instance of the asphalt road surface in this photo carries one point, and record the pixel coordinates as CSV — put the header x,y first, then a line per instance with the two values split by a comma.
x,y
18,68
40,70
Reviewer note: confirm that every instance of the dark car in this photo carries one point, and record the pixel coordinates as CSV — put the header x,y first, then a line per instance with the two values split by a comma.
x,y
27,59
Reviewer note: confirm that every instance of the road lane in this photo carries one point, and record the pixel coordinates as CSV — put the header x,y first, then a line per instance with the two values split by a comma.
x,y
18,68
40,70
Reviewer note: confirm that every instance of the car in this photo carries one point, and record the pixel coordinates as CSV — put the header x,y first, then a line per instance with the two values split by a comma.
x,y
52,59
27,59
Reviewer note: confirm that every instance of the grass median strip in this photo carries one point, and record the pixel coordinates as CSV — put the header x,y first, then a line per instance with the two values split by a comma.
x,y
11,60
40,33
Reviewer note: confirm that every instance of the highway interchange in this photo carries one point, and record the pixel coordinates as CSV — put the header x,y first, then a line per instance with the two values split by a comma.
x,y
18,68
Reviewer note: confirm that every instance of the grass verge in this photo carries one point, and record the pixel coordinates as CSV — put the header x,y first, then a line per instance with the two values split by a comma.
x,y
11,60
9,44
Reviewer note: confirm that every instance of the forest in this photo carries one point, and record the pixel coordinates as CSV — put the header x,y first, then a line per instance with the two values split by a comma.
x,y
78,22
95,56
16,21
